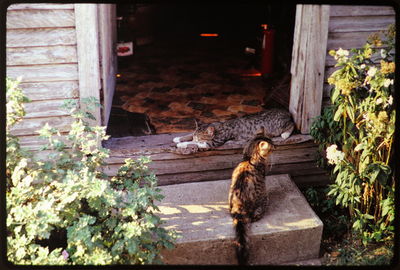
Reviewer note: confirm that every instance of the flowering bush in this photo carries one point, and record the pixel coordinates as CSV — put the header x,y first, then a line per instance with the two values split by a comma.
x,y
64,210
362,120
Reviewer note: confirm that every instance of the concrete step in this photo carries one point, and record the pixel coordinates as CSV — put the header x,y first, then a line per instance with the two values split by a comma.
x,y
289,232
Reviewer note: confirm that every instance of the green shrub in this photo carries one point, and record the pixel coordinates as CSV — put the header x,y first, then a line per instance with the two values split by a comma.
x,y
64,210
356,132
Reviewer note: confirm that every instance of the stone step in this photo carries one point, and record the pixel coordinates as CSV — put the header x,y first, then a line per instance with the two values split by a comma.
x,y
289,232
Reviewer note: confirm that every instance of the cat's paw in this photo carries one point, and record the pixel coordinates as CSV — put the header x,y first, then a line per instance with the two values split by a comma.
x,y
182,144
187,150
286,135
177,140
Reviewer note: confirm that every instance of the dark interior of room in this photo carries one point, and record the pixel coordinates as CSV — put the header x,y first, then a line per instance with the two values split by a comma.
x,y
176,76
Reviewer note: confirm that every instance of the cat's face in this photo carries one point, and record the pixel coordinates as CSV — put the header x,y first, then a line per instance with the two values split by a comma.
x,y
203,133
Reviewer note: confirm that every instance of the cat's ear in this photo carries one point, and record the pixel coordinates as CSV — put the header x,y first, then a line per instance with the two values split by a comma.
x,y
260,131
210,130
265,146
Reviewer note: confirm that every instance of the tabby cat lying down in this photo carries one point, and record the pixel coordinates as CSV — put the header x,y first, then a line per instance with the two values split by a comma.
x,y
273,122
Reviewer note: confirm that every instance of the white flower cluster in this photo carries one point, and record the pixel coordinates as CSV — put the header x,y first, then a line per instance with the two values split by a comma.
x,y
341,54
333,155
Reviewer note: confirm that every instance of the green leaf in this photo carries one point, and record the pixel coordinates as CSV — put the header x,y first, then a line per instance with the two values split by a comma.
x,y
338,113
335,93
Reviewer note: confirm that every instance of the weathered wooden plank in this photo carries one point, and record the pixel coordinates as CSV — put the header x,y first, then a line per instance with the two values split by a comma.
x,y
44,73
41,55
40,6
347,10
314,75
31,126
307,69
347,40
40,37
298,65
17,19
87,34
45,108
361,23
108,39
162,144
50,90
198,164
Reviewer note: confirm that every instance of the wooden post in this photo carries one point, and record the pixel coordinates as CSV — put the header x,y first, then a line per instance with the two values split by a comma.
x,y
87,38
308,64
108,40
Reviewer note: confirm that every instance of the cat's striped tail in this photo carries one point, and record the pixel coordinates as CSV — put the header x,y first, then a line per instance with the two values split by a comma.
x,y
241,241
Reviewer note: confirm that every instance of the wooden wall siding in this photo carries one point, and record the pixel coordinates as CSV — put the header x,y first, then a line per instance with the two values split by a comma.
x,y
16,38
26,19
308,63
41,48
349,27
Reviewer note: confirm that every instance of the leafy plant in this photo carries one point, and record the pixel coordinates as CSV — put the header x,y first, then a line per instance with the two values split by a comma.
x,y
356,132
63,209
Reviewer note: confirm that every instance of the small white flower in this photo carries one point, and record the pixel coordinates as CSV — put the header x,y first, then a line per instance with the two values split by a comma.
x,y
372,71
341,54
333,155
390,100
362,66
387,82
379,101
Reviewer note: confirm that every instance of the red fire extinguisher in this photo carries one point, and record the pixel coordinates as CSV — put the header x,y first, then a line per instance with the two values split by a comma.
x,y
267,50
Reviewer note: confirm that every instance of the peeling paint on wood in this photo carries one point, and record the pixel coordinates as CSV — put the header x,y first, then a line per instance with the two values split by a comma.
x,y
40,6
40,18
50,90
41,55
40,37
44,73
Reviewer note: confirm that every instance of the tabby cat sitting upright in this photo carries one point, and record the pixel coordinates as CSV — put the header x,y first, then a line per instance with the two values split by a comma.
x,y
274,122
248,194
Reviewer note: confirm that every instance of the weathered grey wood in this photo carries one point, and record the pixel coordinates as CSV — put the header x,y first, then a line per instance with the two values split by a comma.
x,y
40,6
44,73
41,55
31,126
108,39
40,18
40,37
308,64
161,146
45,108
315,72
217,162
362,23
347,40
50,90
87,34
343,11
298,65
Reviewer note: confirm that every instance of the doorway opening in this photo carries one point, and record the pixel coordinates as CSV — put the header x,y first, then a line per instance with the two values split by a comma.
x,y
198,62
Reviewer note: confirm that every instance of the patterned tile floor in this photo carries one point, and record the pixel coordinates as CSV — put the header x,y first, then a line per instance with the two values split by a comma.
x,y
172,84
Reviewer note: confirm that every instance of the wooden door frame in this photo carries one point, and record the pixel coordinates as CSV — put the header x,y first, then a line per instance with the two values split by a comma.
x,y
308,64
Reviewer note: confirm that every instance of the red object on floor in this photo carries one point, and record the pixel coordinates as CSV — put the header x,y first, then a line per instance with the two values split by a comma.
x,y
267,51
